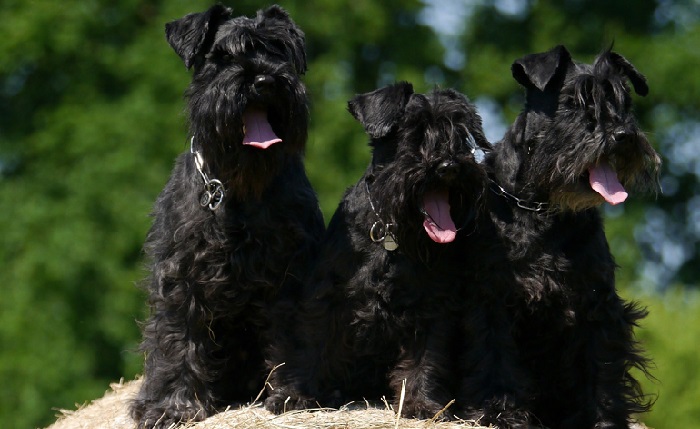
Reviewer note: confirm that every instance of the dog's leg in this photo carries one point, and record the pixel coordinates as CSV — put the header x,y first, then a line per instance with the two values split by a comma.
x,y
315,358
493,386
608,394
293,386
426,365
292,383
179,368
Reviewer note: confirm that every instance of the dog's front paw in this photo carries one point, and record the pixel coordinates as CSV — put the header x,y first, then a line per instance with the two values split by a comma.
x,y
163,418
500,415
424,410
281,402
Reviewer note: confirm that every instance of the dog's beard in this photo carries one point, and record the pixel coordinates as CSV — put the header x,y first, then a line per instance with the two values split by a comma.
x,y
245,138
592,172
597,184
432,208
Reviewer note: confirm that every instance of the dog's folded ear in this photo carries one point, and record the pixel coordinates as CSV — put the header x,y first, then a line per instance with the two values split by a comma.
x,y
613,62
192,35
295,43
380,110
537,70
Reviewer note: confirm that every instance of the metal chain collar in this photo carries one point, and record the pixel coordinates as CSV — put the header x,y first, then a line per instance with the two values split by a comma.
x,y
532,206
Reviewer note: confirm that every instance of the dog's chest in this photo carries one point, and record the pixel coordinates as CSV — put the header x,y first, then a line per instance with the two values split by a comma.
x,y
562,282
394,295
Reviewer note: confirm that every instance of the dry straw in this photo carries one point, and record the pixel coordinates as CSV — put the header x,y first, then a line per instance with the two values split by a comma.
x,y
110,412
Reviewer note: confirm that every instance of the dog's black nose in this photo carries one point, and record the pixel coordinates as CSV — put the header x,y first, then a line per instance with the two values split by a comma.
x,y
620,135
263,83
446,169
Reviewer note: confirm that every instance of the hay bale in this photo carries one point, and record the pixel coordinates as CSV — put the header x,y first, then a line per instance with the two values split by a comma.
x,y
110,412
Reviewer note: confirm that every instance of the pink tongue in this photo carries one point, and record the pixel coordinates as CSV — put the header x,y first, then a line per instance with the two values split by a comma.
x,y
604,181
258,132
439,224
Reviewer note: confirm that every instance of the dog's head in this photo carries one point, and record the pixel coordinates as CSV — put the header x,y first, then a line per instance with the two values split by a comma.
x,y
246,98
577,144
423,174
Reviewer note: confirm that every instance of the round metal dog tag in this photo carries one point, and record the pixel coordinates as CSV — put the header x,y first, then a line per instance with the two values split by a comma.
x,y
390,243
205,198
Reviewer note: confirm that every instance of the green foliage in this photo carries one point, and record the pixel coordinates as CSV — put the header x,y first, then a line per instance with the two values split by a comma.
x,y
671,334
92,117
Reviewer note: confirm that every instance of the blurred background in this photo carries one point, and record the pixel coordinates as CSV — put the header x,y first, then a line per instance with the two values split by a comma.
x,y
92,117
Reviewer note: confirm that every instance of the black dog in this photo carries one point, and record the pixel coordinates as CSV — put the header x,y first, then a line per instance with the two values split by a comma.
x,y
238,223
553,343
383,304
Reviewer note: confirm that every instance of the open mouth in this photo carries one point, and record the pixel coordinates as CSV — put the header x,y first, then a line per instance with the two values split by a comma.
x,y
603,180
257,131
438,223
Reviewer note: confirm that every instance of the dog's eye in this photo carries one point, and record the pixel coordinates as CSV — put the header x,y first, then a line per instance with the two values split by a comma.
x,y
278,47
220,55
224,55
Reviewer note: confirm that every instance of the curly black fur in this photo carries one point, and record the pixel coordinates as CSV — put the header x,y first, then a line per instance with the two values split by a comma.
x,y
373,317
552,342
216,274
